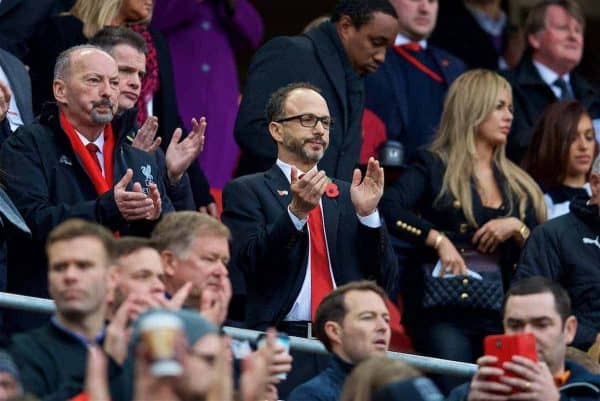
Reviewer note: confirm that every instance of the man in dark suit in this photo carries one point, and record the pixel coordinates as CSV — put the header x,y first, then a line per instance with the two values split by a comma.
x,y
407,92
15,102
296,234
333,56
270,217
554,30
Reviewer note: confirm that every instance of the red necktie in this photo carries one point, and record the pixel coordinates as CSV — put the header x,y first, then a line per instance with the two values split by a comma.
x,y
93,149
412,46
320,282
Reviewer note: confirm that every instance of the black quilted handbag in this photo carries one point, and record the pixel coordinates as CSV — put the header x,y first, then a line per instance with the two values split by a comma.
x,y
465,291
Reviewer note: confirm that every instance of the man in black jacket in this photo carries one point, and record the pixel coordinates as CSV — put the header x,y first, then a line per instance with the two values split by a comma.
x,y
567,250
333,56
541,307
71,163
52,358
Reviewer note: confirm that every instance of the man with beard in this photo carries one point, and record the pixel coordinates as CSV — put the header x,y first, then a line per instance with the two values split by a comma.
x,y
71,163
297,235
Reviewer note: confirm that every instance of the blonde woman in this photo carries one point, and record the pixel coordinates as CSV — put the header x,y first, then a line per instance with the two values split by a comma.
x,y
463,205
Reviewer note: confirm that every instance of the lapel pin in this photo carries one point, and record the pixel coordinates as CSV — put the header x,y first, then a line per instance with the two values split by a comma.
x,y
445,63
65,160
282,192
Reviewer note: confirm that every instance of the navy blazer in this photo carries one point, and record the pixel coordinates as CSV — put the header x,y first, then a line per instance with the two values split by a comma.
x,y
314,58
273,254
387,94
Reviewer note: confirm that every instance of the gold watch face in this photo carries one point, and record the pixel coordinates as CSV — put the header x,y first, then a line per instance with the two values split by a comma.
x,y
525,232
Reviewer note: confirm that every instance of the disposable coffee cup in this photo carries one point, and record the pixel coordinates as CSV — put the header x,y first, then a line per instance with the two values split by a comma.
x,y
159,331
282,339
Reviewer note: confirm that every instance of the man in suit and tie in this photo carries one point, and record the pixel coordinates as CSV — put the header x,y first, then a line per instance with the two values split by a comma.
x,y
407,92
15,95
554,31
297,235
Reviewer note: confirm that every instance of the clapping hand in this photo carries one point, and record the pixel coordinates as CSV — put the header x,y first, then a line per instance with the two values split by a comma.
x,y
146,139
306,191
5,96
181,153
366,192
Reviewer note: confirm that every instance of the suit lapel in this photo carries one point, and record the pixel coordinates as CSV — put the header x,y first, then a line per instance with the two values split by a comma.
x,y
279,186
445,66
399,88
331,215
332,65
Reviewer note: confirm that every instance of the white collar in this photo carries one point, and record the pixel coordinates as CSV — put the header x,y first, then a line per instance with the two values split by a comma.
x,y
286,169
402,40
548,75
99,142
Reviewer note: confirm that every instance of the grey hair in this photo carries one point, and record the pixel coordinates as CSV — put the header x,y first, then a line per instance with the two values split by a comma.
x,y
596,165
63,61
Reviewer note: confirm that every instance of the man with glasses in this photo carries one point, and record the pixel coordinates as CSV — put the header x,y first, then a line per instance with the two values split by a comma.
x,y
297,234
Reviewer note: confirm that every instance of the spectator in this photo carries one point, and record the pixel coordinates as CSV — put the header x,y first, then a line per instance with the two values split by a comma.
x,y
194,248
541,307
479,32
204,38
382,379
55,176
297,236
408,91
51,358
129,51
554,30
75,28
333,56
566,250
475,208
10,379
563,148
16,88
353,324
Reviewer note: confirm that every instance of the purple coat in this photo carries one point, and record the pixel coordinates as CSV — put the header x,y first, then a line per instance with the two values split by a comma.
x,y
203,36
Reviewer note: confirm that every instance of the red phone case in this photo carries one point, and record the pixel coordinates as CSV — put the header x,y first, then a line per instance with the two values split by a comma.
x,y
505,346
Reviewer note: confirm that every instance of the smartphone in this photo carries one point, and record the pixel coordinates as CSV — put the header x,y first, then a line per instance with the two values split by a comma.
x,y
505,346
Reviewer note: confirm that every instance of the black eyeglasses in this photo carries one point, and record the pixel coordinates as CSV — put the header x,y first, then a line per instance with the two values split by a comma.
x,y
309,120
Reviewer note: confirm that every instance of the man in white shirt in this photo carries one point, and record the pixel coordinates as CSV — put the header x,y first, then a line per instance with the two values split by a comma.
x,y
554,30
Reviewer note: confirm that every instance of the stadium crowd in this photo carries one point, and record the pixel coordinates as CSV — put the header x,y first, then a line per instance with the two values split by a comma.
x,y
406,175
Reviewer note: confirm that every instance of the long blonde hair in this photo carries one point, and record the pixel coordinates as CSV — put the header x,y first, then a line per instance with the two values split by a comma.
x,y
372,374
95,14
470,100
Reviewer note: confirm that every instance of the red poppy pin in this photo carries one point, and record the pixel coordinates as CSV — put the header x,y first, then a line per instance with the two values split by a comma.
x,y
332,190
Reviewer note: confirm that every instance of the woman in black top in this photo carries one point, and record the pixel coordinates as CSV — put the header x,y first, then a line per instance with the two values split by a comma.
x,y
560,157
462,196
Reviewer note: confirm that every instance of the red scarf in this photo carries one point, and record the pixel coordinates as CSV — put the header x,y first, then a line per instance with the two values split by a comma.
x,y
150,82
101,183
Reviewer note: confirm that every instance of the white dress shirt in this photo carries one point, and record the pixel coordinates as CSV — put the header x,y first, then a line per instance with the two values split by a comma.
x,y
402,40
549,77
301,309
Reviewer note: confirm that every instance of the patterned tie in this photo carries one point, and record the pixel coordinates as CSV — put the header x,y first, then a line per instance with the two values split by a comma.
x,y
321,283
565,90
93,149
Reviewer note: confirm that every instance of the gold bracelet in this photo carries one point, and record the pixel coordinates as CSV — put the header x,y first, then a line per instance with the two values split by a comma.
x,y
438,240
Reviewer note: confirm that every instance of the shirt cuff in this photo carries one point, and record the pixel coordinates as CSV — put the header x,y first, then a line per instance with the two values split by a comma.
x,y
372,220
298,223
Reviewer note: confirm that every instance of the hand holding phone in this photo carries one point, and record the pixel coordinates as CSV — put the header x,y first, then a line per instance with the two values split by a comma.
x,y
505,346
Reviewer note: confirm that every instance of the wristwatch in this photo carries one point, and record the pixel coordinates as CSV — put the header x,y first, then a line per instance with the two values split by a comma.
x,y
524,232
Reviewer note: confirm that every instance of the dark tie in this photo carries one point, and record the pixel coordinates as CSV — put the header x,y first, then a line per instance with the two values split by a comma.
x,y
412,46
320,282
93,149
565,89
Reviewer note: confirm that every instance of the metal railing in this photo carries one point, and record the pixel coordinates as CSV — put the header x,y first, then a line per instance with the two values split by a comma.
x,y
423,363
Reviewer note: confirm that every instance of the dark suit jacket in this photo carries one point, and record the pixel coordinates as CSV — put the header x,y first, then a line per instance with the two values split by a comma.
x,y
387,94
313,58
273,254
19,20
531,95
18,78
458,32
